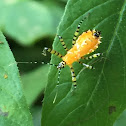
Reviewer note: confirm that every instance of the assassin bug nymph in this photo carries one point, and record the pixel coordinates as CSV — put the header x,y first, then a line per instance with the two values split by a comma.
x,y
83,45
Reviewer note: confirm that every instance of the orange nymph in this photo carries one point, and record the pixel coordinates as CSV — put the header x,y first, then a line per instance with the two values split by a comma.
x,y
86,43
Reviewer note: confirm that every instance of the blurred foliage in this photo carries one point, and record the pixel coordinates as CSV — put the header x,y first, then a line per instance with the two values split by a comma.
x,y
29,26
121,121
36,113
27,21
37,82
13,106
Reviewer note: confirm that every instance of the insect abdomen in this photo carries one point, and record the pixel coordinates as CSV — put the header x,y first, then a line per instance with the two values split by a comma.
x,y
85,44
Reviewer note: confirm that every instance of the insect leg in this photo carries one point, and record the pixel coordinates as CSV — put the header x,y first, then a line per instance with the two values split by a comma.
x,y
73,77
92,56
59,71
76,32
62,42
51,51
86,65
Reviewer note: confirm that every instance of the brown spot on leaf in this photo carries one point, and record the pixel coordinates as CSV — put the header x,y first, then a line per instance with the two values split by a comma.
x,y
3,113
1,42
5,76
112,109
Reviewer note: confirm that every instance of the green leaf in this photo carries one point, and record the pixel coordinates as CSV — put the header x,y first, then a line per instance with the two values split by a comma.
x,y
36,113
13,108
5,6
121,121
100,95
34,83
28,21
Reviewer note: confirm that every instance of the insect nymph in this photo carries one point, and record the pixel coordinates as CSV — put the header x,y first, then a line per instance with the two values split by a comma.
x,y
85,44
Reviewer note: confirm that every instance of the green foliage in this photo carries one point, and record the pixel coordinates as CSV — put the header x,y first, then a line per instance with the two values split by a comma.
x,y
37,79
13,108
27,21
100,95
36,113
121,121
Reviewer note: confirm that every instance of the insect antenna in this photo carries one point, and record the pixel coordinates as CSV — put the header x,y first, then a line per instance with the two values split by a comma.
x,y
35,62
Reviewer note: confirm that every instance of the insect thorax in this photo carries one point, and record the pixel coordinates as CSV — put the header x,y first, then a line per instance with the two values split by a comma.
x,y
61,65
